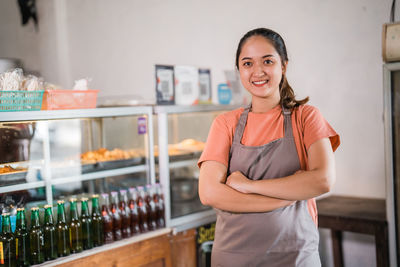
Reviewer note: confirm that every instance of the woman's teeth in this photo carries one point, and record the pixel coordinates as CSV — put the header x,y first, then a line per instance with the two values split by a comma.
x,y
260,82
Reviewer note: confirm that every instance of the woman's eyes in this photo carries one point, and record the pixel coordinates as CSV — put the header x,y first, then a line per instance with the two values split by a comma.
x,y
247,64
266,62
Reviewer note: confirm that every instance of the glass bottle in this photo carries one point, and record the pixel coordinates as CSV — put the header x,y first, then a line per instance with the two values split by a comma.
x,y
133,211
62,231
86,220
49,231
36,238
7,242
107,219
22,251
97,222
124,211
151,207
161,206
143,226
116,216
75,228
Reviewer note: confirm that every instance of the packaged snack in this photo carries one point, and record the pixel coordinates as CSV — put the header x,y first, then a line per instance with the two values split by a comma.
x,y
204,86
186,85
165,90
11,80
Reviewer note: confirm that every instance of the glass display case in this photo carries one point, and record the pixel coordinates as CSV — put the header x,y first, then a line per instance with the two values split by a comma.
x,y
391,87
51,155
181,133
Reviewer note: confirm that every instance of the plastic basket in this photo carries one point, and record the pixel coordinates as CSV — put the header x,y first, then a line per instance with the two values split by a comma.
x,y
69,99
20,100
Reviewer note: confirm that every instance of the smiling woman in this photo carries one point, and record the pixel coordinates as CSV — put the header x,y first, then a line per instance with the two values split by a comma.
x,y
263,165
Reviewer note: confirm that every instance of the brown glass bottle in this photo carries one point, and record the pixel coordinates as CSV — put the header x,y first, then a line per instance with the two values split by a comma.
x,y
86,221
133,211
124,211
49,232
21,234
36,238
116,216
75,228
107,219
97,223
159,200
7,243
62,231
143,216
151,207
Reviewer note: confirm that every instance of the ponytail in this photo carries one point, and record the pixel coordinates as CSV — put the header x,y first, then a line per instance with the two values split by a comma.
x,y
287,95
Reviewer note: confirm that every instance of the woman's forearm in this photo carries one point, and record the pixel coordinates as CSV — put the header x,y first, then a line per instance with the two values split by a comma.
x,y
301,185
214,192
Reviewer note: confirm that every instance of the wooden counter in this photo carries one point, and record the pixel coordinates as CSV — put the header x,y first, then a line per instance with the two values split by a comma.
x,y
148,249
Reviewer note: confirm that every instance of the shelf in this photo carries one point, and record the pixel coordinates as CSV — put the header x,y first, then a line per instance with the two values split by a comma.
x,y
193,220
107,247
24,186
197,108
73,113
183,163
98,174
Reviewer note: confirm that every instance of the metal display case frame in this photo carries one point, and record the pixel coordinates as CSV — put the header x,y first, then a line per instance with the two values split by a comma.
x,y
98,113
389,164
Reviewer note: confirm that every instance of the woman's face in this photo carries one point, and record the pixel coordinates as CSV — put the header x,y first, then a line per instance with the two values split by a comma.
x,y
260,68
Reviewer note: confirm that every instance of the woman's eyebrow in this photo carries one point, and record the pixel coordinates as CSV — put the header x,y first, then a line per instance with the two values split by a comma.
x,y
249,58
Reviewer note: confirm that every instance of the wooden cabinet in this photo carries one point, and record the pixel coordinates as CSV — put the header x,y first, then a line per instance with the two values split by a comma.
x,y
153,252
183,248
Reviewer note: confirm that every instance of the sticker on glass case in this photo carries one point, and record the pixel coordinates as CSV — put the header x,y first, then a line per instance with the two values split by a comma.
x,y
142,125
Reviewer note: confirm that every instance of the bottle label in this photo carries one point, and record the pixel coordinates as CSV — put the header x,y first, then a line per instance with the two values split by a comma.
x,y
1,253
16,248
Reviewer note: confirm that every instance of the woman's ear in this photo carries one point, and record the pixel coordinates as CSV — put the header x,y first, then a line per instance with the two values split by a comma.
x,y
284,67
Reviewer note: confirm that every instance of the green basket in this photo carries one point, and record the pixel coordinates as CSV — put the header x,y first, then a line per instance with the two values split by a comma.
x,y
20,100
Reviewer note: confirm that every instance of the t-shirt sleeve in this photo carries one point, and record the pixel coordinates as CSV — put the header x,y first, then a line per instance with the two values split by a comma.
x,y
315,127
218,142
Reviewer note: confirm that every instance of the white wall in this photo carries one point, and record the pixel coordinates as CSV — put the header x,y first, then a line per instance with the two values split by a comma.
x,y
334,49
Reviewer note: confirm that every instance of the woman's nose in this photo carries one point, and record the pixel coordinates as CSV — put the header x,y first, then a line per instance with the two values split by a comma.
x,y
258,70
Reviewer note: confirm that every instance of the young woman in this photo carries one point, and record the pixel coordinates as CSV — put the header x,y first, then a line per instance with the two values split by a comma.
x,y
263,165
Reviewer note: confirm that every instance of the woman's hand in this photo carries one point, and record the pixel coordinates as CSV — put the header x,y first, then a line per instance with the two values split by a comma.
x,y
238,182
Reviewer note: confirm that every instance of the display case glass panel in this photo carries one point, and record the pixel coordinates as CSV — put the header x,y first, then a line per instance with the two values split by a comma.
x,y
187,133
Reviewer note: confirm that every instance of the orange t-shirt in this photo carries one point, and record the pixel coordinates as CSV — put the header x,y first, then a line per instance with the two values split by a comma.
x,y
308,126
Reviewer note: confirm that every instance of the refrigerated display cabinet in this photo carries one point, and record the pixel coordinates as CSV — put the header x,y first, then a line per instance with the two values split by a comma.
x,y
391,96
181,132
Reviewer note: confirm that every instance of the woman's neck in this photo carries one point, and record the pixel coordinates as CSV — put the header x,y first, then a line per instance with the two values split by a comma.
x,y
262,105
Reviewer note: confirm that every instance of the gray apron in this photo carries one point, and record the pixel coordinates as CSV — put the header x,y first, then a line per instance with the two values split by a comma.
x,y
284,237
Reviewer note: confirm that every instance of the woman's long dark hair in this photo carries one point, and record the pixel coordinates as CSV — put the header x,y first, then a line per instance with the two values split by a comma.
x,y
287,96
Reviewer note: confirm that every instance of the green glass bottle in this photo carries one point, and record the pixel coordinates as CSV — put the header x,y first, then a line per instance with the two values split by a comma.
x,y
75,228
97,222
62,231
22,250
49,231
7,243
86,220
36,238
